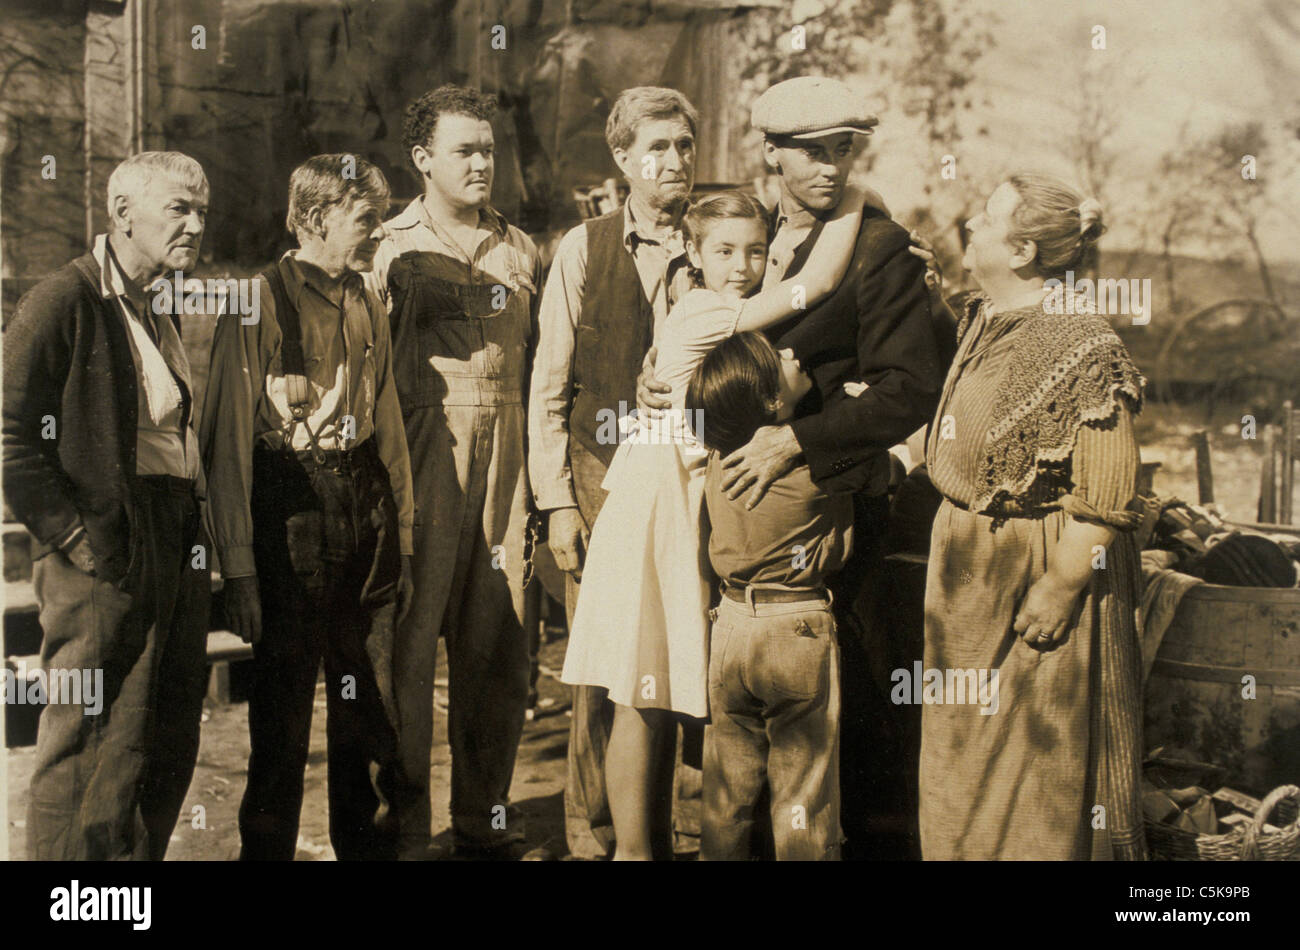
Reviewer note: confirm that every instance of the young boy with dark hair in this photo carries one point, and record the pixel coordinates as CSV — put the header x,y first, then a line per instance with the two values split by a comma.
x,y
774,696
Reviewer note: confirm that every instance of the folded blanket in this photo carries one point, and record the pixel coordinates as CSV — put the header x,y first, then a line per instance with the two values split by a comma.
x,y
1162,591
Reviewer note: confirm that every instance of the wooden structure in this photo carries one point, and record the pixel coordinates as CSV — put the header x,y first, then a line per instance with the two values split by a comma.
x,y
250,89
1225,683
1277,478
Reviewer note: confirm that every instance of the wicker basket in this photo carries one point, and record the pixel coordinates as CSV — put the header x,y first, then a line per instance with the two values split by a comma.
x,y
1175,844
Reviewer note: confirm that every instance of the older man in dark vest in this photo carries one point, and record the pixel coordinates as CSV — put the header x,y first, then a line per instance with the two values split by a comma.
x,y
613,280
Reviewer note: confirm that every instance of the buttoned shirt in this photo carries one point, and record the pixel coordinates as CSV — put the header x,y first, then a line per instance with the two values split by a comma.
x,y
660,261
352,396
788,233
165,442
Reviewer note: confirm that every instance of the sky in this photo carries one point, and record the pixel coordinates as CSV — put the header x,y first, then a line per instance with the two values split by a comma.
x,y
1170,64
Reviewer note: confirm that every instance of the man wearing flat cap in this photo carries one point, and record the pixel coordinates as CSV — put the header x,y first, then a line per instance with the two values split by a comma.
x,y
877,329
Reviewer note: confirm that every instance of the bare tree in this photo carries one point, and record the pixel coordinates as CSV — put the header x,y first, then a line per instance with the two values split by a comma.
x,y
923,52
1210,194
1205,201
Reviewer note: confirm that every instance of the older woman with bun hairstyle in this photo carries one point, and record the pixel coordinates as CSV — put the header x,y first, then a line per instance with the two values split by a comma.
x,y
1034,569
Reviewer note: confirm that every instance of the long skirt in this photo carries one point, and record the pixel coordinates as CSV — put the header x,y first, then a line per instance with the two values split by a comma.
x,y
1045,766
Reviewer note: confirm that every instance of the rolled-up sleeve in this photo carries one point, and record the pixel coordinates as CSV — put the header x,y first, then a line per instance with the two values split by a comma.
x,y
1104,468
238,367
390,431
551,387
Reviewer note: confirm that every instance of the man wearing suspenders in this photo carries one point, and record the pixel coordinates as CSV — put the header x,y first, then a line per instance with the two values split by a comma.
x,y
311,510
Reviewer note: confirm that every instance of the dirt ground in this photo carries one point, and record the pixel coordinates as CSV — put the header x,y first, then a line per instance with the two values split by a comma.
x,y
209,826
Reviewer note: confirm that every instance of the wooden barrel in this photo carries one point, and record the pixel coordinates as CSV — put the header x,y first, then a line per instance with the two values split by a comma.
x,y
1225,684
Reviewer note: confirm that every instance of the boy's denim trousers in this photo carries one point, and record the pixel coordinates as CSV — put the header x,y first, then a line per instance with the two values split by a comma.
x,y
774,699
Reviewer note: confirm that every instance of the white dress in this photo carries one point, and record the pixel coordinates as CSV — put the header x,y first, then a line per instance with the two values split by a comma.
x,y
641,626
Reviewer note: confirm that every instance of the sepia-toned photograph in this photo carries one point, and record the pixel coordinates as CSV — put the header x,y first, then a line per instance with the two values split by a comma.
x,y
623,430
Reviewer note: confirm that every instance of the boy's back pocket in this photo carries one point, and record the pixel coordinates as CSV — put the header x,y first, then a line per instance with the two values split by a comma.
x,y
796,658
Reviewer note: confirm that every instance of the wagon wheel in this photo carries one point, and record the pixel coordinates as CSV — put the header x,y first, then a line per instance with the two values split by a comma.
x,y
1227,345
1263,392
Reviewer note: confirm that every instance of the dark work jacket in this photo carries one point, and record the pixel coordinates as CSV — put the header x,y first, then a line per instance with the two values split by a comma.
x,y
876,328
67,357
615,329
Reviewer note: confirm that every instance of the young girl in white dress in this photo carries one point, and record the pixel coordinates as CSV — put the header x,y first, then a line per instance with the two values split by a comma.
x,y
641,626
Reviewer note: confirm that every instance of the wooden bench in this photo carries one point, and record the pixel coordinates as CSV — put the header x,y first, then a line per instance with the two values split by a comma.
x,y
224,650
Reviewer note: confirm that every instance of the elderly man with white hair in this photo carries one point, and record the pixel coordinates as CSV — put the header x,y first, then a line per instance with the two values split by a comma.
x,y
101,464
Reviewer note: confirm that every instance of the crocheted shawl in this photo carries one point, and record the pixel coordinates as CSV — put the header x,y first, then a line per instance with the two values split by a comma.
x,y
1064,370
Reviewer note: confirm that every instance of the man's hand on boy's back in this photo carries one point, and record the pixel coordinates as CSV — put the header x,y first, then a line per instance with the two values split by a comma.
x,y
650,393
754,466
567,535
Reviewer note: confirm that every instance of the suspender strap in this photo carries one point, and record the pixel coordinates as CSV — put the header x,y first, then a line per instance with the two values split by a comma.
x,y
291,355
294,364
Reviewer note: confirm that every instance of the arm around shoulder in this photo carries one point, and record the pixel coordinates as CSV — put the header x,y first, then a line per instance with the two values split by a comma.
x,y
898,357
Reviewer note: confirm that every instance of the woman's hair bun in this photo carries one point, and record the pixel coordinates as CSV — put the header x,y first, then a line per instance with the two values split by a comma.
x,y
1062,223
1090,219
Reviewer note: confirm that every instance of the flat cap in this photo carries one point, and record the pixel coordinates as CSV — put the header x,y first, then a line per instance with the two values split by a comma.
x,y
810,106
